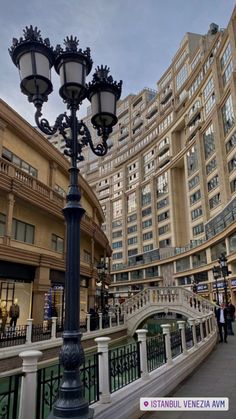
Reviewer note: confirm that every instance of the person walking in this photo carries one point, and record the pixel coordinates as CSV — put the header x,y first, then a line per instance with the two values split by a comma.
x,y
221,316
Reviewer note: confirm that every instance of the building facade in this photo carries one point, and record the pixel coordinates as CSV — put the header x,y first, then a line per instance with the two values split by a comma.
x,y
33,184
168,184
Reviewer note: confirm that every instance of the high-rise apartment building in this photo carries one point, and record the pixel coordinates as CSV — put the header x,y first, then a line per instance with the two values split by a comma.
x,y
167,186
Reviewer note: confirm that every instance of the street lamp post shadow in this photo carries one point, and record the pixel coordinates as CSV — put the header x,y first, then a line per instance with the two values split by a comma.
x,y
34,58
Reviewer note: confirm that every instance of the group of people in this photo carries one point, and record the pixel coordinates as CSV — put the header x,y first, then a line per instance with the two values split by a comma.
x,y
225,315
13,313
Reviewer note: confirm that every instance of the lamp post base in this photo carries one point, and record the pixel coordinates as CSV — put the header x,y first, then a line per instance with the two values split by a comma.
x,y
87,415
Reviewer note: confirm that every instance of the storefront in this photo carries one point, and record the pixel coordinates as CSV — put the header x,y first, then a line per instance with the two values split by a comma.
x,y
16,283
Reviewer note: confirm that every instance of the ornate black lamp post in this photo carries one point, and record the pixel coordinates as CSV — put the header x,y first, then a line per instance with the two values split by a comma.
x,y
223,261
216,275
34,58
102,269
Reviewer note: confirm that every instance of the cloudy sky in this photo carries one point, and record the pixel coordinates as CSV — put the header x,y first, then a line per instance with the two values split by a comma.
x,y
135,38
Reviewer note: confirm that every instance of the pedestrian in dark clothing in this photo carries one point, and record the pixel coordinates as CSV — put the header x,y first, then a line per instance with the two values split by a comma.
x,y
231,313
221,316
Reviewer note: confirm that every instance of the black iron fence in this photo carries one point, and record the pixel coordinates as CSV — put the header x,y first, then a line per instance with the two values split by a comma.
x,y
9,396
189,337
198,332
156,353
41,331
13,336
176,343
49,379
124,366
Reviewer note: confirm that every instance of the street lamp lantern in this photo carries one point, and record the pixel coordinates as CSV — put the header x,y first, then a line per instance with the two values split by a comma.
x,y
34,57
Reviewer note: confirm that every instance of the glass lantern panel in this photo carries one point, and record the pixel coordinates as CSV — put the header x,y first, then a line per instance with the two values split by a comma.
x,y
42,65
25,64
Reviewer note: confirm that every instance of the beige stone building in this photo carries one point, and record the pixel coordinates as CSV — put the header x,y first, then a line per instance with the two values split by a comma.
x,y
168,184
33,184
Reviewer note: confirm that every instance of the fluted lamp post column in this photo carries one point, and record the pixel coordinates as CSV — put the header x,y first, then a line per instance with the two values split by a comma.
x,y
34,57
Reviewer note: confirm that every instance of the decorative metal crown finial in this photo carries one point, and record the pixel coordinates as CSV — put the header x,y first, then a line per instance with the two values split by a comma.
x,y
101,73
102,79
71,43
31,34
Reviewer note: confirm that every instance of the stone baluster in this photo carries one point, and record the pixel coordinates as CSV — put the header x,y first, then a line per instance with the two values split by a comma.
x,y
100,321
54,328
166,332
88,322
181,325
103,365
142,338
27,408
29,331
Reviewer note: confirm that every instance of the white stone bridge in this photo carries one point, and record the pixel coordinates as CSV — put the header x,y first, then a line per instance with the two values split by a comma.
x,y
154,300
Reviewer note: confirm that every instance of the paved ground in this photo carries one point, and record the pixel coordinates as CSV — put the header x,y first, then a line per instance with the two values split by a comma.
x,y
216,377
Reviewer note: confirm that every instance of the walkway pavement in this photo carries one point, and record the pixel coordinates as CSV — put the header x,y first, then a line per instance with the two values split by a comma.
x,y
216,377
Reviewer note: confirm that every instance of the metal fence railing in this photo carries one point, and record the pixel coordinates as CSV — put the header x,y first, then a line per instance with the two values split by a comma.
x,y
124,366
156,353
41,331
13,336
176,343
10,396
49,379
189,337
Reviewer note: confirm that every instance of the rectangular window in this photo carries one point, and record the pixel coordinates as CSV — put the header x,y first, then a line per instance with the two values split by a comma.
x,y
116,245
163,203
183,264
57,243
147,236
195,197
208,141
231,143
152,271
193,182
211,166
213,183
228,115
233,185
162,184
214,201
165,243
163,216
232,164
133,240
197,212
117,223
225,57
181,76
2,224
117,208
146,195
131,218
131,229
198,229
147,223
116,234
131,202
118,255
146,211
132,252
227,73
164,229
148,248
192,160
22,231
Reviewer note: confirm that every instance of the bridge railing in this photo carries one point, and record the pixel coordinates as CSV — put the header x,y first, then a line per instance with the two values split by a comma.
x,y
167,296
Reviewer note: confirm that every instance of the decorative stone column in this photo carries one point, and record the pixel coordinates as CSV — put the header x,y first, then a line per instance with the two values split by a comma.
x,y
54,328
142,338
201,328
88,319
29,384
29,331
192,323
110,318
166,333
104,388
118,316
181,325
207,329
100,321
